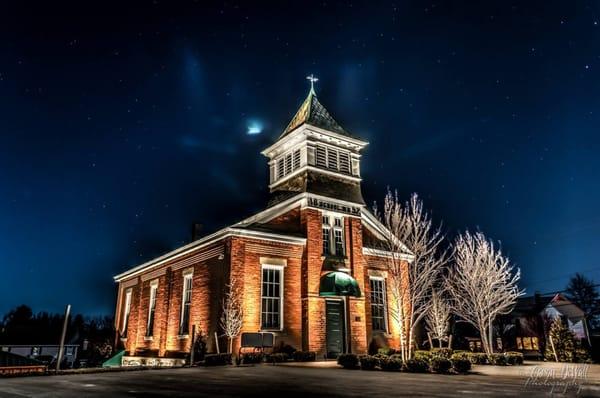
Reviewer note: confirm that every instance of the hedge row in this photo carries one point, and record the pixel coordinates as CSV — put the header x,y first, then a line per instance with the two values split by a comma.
x,y
394,363
257,357
498,359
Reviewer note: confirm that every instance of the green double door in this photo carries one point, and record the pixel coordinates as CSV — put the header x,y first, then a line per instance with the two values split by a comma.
x,y
335,327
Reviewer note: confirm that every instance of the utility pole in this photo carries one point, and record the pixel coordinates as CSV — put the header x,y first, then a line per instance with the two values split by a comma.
x,y
61,349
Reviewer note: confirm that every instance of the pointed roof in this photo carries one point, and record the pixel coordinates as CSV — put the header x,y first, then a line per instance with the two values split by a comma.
x,y
313,112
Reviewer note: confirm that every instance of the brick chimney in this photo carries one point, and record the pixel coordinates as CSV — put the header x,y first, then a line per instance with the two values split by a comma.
x,y
196,231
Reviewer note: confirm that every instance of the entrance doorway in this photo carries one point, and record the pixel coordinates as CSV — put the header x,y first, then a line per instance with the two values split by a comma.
x,y
335,327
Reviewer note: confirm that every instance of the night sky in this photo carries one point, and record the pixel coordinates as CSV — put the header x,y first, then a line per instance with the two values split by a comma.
x,y
120,127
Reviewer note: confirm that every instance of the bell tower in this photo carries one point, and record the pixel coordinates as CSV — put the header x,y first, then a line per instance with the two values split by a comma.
x,y
314,154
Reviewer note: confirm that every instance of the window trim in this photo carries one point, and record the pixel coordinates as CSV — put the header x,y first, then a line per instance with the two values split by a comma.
x,y
281,269
126,312
385,309
151,308
332,227
186,275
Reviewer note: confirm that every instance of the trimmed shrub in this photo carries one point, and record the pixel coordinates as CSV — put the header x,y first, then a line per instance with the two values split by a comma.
x,y
217,359
368,362
582,355
305,356
252,358
416,366
348,361
442,352
478,358
460,365
277,357
390,364
423,355
387,351
396,356
498,359
440,365
460,355
285,349
514,358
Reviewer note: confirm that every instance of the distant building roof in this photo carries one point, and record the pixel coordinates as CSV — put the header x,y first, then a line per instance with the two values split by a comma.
x,y
537,303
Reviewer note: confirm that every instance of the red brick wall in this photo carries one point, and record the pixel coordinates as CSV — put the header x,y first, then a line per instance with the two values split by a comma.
x,y
376,264
207,282
356,306
304,311
314,310
246,255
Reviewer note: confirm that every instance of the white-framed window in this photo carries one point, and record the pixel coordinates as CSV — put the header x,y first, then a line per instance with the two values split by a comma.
x,y
287,163
271,308
326,235
151,308
333,236
378,304
186,304
126,311
333,159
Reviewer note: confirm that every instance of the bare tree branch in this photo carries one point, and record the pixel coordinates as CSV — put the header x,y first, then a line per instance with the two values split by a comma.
x,y
408,229
232,314
482,283
436,320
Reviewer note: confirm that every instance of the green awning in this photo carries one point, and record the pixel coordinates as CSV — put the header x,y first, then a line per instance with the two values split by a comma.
x,y
338,283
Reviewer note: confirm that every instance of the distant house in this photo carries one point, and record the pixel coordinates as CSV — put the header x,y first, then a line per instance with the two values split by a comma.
x,y
532,317
44,353
526,327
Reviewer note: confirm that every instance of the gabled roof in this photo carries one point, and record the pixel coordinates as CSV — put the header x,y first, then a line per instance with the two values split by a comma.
x,y
538,303
314,113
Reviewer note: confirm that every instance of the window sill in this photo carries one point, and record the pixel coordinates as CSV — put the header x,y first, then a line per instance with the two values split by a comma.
x,y
274,331
334,257
383,333
148,338
183,336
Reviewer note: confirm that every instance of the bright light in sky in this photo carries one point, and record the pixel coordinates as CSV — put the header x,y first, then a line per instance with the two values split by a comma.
x,y
254,127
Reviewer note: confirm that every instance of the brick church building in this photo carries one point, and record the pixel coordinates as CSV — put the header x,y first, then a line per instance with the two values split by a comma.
x,y
307,267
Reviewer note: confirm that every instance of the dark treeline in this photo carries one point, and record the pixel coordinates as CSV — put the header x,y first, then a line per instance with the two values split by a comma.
x,y
94,335
21,326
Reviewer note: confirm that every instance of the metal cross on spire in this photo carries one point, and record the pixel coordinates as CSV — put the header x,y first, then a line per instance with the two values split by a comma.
x,y
312,79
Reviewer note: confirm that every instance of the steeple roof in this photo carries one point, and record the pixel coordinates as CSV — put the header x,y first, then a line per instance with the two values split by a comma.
x,y
313,112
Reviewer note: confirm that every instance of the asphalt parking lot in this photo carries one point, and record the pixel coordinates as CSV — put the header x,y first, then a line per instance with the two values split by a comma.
x,y
288,381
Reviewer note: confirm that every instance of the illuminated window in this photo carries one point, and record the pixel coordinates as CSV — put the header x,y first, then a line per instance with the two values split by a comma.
x,y
528,343
378,304
126,310
338,237
333,234
326,232
184,324
272,297
151,308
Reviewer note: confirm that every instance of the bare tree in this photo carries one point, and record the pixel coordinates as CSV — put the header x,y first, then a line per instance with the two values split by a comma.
x,y
483,284
232,314
408,229
438,317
